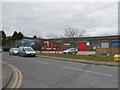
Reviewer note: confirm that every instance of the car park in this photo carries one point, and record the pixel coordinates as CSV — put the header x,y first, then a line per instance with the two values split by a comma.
x,y
26,51
70,51
13,51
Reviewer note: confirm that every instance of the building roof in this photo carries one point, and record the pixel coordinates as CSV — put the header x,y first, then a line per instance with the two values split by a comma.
x,y
80,38
88,38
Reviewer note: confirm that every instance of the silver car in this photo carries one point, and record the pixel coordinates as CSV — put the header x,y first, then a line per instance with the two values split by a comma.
x,y
70,51
13,51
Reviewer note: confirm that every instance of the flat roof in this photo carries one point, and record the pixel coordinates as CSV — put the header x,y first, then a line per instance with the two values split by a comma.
x,y
76,38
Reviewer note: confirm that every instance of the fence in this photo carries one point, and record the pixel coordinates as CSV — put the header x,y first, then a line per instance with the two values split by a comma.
x,y
107,52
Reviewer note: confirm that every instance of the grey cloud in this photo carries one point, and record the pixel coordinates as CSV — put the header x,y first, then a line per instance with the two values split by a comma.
x,y
50,19
0,16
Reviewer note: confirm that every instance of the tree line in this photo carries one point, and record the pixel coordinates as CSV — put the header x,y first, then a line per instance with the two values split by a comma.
x,y
16,36
70,32
7,40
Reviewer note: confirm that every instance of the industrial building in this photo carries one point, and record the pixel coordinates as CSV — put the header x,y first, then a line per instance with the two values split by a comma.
x,y
83,43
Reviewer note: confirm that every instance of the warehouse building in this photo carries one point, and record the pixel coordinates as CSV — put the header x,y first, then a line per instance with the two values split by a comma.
x,y
83,43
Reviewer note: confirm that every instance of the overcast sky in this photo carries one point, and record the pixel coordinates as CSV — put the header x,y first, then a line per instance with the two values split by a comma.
x,y
49,19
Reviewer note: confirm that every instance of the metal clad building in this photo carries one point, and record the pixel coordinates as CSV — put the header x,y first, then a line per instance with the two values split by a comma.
x,y
83,43
105,45
115,44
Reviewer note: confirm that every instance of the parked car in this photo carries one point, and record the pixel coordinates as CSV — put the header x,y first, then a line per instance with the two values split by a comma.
x,y
70,51
13,51
1,50
26,51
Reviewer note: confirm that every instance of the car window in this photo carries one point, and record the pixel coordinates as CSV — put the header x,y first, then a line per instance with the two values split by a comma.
x,y
15,49
11,49
20,49
72,49
28,49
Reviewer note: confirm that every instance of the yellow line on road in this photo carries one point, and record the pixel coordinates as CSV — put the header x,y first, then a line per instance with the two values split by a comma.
x,y
16,76
20,78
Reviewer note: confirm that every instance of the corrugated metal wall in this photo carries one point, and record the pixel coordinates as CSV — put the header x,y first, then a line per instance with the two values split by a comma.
x,y
115,44
104,45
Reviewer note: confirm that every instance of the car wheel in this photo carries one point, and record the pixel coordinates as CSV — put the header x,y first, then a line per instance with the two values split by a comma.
x,y
19,54
12,53
22,55
69,53
34,55
9,53
64,53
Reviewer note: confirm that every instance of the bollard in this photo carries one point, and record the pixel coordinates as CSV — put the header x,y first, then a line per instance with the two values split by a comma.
x,y
116,58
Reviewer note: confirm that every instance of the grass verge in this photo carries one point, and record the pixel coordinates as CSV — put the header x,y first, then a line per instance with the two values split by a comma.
x,y
83,57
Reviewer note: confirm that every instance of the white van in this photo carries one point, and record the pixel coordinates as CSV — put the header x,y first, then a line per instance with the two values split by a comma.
x,y
26,51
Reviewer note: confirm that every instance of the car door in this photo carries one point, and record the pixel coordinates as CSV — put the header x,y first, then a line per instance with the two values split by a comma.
x,y
11,51
72,50
23,52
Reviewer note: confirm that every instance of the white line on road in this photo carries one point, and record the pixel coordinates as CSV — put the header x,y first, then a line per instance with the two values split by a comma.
x,y
88,71
42,62
67,61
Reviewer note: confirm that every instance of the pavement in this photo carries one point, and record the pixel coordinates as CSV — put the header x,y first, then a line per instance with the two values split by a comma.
x,y
79,52
7,75
39,72
84,61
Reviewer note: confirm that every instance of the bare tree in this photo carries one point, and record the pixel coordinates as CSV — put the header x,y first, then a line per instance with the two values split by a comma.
x,y
72,33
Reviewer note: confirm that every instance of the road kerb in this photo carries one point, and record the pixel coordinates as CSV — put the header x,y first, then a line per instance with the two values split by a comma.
x,y
83,61
17,75
20,78
6,83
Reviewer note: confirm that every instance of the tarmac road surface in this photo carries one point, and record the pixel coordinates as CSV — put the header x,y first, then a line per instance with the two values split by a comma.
x,y
40,72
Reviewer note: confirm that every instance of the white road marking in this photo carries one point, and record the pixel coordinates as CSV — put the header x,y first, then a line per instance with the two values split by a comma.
x,y
67,61
42,62
99,66
88,71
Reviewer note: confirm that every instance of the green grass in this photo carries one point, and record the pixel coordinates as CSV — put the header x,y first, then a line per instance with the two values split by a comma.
x,y
84,57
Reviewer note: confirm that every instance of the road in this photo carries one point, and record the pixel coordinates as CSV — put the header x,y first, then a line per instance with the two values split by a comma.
x,y
40,72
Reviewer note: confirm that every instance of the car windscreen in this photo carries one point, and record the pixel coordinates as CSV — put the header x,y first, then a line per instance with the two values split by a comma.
x,y
15,49
28,49
71,49
68,50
